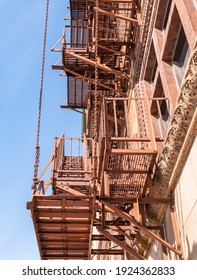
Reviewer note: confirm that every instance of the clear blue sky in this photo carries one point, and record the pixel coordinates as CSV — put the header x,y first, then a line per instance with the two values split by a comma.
x,y
21,29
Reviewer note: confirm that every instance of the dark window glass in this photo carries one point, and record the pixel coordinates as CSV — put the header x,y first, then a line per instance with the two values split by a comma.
x,y
181,55
154,71
164,110
181,48
165,20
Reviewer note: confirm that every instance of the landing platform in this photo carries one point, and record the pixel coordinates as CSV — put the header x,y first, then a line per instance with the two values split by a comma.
x,y
63,226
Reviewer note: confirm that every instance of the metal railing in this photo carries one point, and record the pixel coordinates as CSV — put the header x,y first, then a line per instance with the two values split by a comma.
x,y
122,126
78,155
76,36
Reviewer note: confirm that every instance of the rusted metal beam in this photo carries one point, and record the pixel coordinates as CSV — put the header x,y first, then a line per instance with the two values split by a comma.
x,y
115,119
149,185
100,66
110,42
93,208
107,252
67,254
84,78
62,223
78,233
65,257
106,184
62,242
106,126
71,184
72,179
54,47
135,98
175,227
70,190
56,197
45,168
122,245
102,169
70,171
164,249
59,214
41,188
98,237
115,227
73,109
121,171
132,20
136,210
131,152
141,200
132,139
150,124
119,228
151,234
114,51
76,138
59,210
117,220
102,215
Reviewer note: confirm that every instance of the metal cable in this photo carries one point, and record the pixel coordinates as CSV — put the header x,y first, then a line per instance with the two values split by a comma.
x,y
37,147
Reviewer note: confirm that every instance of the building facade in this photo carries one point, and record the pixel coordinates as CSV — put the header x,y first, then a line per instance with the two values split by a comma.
x,y
171,72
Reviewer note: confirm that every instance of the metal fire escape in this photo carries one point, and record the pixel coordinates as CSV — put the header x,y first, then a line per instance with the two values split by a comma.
x,y
94,203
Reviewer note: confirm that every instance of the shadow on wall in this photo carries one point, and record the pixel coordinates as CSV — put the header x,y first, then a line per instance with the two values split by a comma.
x,y
156,252
192,251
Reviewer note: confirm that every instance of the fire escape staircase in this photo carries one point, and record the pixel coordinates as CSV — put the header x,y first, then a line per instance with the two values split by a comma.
x,y
69,221
78,214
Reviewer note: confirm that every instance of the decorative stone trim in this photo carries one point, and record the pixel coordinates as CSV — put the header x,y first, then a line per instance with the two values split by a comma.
x,y
180,123
177,132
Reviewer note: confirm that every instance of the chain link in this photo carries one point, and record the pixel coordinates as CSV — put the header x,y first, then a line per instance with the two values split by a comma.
x,y
37,147
96,72
96,94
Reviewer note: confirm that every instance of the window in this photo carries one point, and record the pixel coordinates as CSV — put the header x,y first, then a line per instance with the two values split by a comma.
x,y
160,110
181,55
153,71
160,106
164,109
151,66
166,16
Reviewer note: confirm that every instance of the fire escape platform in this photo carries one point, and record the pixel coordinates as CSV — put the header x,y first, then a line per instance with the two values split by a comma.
x,y
63,226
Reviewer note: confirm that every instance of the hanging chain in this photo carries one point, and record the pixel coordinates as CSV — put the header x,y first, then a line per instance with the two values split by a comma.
x,y
96,94
37,147
96,74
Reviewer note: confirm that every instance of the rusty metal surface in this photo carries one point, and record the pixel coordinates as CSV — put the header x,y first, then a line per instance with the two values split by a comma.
x,y
70,219
94,203
63,226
